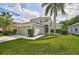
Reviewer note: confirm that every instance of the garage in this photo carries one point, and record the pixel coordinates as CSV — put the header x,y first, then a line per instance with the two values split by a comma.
x,y
23,30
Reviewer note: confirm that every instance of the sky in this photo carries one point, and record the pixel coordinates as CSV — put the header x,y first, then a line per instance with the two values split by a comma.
x,y
22,11
25,11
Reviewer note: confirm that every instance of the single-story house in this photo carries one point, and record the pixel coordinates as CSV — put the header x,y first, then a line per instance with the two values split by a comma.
x,y
41,25
10,27
74,29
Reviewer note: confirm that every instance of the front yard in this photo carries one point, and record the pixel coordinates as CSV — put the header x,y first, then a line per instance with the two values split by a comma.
x,y
67,44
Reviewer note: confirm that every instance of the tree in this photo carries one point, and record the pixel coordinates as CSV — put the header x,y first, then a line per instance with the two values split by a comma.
x,y
5,20
53,9
69,22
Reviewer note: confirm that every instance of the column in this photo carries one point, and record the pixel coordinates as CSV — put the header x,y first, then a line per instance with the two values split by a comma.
x,y
49,30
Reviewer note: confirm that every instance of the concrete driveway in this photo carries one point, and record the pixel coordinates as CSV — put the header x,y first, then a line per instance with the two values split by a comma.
x,y
7,38
13,37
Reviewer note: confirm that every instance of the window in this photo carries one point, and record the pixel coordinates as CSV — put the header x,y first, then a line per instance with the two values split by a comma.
x,y
76,29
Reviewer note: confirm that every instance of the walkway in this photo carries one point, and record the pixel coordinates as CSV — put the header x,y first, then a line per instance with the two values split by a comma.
x,y
13,37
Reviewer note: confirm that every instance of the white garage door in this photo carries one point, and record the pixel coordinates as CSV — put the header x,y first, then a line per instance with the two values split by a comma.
x,y
22,31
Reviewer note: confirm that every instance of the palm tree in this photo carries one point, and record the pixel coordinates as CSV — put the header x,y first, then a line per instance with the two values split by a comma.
x,y
6,20
52,9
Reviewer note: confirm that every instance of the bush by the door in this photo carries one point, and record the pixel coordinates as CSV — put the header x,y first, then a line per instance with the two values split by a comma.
x,y
61,31
31,32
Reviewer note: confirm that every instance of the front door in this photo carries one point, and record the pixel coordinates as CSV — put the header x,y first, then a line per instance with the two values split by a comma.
x,y
46,28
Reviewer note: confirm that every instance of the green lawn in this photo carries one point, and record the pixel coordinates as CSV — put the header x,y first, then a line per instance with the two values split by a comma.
x,y
1,34
67,44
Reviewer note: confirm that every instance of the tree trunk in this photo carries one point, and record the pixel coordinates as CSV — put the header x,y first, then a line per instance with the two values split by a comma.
x,y
55,14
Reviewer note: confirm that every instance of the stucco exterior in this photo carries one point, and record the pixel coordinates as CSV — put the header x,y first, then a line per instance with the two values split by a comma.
x,y
22,29
74,29
41,25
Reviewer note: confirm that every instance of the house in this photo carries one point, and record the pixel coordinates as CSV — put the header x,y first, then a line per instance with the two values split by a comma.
x,y
9,27
41,25
74,29
12,26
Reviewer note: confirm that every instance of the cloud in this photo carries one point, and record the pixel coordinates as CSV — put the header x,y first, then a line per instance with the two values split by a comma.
x,y
33,6
27,13
28,10
20,13
20,19
71,11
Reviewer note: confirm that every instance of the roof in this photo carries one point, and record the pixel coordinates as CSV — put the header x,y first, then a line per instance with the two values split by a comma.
x,y
74,24
29,24
43,17
27,21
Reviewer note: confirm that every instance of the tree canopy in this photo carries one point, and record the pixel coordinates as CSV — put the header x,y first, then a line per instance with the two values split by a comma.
x,y
67,23
53,9
5,19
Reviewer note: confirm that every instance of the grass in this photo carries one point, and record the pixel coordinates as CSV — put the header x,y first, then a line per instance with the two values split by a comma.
x,y
1,34
47,45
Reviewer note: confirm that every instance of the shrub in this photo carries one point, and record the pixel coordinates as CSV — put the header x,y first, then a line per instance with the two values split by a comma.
x,y
14,31
7,32
57,30
61,31
64,31
31,32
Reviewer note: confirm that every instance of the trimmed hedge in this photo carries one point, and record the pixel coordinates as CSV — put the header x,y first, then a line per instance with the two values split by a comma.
x,y
64,31
7,32
61,31
31,32
10,32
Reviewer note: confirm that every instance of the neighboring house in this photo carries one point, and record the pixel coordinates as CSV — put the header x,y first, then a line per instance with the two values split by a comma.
x,y
74,29
41,25
10,27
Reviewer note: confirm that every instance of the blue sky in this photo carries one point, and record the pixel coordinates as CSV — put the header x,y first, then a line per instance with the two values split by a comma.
x,y
22,11
28,9
10,7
